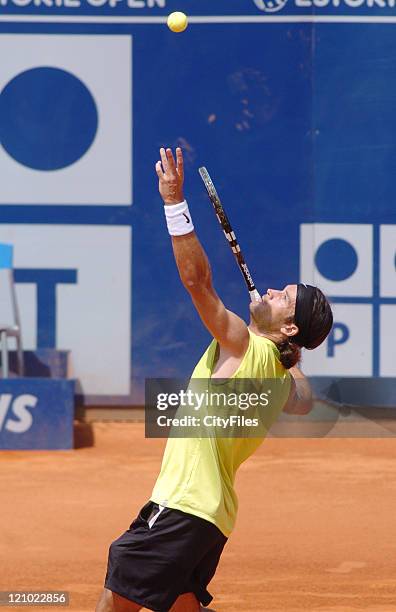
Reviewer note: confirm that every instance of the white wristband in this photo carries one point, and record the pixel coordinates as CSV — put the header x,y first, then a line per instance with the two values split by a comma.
x,y
178,219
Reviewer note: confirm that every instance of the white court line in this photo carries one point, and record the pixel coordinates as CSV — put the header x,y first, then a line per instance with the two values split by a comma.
x,y
198,19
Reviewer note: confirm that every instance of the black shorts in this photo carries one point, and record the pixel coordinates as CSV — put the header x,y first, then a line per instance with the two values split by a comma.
x,y
178,554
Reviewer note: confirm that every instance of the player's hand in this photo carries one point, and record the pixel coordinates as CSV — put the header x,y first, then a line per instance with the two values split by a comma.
x,y
171,176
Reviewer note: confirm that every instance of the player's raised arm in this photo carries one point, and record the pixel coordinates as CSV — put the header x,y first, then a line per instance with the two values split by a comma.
x,y
193,265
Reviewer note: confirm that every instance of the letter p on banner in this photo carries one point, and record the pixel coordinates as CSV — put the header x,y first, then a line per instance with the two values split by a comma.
x,y
347,351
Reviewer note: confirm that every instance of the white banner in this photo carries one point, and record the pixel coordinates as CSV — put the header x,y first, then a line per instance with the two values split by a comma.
x,y
89,313
46,157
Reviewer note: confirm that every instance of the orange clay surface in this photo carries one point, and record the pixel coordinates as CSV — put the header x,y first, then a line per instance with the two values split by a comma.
x,y
316,529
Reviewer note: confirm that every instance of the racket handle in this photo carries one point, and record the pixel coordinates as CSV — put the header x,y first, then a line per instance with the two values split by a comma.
x,y
255,296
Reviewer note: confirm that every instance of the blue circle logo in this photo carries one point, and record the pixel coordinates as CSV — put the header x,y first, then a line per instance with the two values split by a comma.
x,y
48,118
270,6
336,259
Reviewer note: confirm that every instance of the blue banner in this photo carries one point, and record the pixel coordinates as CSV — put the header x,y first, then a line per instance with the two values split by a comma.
x,y
290,106
36,414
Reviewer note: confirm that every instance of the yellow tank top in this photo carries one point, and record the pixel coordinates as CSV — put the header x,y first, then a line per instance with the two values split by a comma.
x,y
197,474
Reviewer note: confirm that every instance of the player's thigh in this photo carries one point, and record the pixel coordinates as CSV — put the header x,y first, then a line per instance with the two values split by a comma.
x,y
121,604
186,603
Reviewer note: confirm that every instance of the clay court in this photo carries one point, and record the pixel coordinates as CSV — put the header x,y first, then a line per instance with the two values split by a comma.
x,y
315,532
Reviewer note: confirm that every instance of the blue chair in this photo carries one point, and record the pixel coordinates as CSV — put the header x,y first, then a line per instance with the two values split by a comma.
x,y
9,310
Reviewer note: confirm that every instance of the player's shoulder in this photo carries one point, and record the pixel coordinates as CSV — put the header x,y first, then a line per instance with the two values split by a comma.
x,y
267,355
263,344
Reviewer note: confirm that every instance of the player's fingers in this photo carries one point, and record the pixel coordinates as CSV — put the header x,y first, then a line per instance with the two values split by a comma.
x,y
159,171
171,160
163,159
180,162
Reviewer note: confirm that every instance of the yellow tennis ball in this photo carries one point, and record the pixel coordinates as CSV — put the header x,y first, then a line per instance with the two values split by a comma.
x,y
177,21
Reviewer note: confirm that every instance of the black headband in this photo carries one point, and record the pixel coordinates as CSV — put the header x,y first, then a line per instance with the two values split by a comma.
x,y
303,314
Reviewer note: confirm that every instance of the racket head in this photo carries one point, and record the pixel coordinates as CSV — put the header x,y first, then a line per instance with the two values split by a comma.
x,y
214,198
229,234
210,188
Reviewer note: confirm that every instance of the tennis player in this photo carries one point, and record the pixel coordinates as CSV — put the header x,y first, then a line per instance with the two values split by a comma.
x,y
166,559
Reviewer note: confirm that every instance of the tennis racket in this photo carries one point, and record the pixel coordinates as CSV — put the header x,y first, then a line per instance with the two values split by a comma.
x,y
229,234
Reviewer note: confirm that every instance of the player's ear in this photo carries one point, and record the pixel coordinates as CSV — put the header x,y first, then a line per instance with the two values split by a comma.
x,y
289,329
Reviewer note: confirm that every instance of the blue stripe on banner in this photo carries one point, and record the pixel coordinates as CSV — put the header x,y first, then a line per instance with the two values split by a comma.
x,y
6,256
376,299
68,215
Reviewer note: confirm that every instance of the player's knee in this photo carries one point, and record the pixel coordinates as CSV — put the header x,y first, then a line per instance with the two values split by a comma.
x,y
186,603
105,603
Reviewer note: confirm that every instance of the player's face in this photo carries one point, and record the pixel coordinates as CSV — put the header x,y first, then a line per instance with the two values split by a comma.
x,y
276,309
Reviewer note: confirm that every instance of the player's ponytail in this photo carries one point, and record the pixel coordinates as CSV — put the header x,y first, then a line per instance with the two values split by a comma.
x,y
290,353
